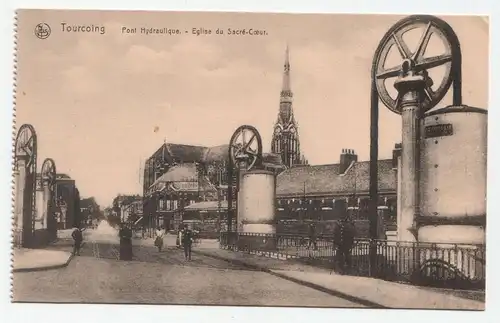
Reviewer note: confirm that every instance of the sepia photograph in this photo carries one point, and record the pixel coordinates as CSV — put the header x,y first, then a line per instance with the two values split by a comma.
x,y
250,159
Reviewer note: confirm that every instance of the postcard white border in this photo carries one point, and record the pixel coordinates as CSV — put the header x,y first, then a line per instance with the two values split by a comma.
x,y
127,313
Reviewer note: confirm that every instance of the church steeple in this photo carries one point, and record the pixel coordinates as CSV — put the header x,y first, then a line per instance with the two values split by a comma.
x,y
286,138
286,92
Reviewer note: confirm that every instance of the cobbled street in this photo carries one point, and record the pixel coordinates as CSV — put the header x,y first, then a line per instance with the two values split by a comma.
x,y
98,276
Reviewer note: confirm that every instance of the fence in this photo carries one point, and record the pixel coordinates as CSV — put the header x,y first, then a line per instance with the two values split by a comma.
x,y
432,264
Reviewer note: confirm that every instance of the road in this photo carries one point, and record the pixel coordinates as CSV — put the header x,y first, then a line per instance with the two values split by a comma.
x,y
97,276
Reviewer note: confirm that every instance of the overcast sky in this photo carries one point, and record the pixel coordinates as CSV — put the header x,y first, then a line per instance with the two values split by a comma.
x,y
95,99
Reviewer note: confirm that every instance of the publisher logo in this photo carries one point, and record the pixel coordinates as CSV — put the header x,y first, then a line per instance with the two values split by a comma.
x,y
42,30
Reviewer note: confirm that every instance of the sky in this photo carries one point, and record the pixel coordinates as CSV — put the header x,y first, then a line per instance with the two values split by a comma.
x,y
101,104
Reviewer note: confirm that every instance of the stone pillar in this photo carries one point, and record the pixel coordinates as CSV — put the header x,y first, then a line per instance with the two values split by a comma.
x,y
45,204
410,87
20,183
398,200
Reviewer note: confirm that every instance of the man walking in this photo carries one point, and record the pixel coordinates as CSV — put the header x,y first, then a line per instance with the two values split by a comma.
x,y
77,238
187,242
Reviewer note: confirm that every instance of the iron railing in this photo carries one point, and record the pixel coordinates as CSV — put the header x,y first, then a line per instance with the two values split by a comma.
x,y
434,264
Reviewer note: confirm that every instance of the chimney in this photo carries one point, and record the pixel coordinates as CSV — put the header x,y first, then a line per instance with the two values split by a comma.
x,y
396,153
346,158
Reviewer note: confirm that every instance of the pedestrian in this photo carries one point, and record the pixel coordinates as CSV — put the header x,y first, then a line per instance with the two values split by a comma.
x,y
159,238
77,239
344,234
312,237
187,242
125,243
178,241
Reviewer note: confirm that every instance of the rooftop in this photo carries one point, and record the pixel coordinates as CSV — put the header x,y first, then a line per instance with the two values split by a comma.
x,y
327,179
198,154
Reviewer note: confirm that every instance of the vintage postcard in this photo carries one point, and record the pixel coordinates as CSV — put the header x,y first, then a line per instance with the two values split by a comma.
x,y
204,158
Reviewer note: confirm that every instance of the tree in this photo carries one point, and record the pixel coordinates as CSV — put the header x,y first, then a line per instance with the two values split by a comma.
x,y
91,209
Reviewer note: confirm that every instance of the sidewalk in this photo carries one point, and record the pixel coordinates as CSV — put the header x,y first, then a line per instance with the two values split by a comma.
x,y
363,290
39,259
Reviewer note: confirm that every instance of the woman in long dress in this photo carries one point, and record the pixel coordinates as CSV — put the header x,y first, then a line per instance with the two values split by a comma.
x,y
179,236
125,243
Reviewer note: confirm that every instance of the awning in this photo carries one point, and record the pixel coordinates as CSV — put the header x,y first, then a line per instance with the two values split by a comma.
x,y
181,177
207,206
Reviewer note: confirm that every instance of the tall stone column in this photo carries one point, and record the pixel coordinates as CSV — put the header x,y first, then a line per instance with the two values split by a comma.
x,y
410,86
20,183
45,204
398,200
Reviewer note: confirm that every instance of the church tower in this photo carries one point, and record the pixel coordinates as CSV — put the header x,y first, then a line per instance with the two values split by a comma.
x,y
285,136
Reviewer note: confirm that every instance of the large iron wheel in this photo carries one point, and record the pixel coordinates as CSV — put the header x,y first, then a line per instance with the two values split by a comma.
x,y
49,173
246,144
26,145
417,59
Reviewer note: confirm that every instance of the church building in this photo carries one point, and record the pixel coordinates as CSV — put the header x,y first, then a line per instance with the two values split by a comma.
x,y
285,141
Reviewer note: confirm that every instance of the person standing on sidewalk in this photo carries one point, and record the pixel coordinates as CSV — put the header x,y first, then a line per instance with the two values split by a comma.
x,y
77,238
312,237
125,235
178,240
159,238
344,235
187,242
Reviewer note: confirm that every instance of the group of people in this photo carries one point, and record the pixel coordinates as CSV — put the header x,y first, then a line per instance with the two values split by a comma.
x,y
185,238
343,240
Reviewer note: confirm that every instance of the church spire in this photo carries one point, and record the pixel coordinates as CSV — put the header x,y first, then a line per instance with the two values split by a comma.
x,y
286,91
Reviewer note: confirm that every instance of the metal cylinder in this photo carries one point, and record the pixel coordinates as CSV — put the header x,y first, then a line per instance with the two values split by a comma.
x,y
453,175
256,198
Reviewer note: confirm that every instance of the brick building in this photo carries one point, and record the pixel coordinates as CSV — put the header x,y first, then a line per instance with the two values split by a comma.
x,y
325,193
177,175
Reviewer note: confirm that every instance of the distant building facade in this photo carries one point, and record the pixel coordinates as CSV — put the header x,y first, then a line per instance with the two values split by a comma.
x,y
325,193
131,210
67,202
177,175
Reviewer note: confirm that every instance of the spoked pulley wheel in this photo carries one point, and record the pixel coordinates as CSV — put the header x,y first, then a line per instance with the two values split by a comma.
x,y
246,145
418,60
49,172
